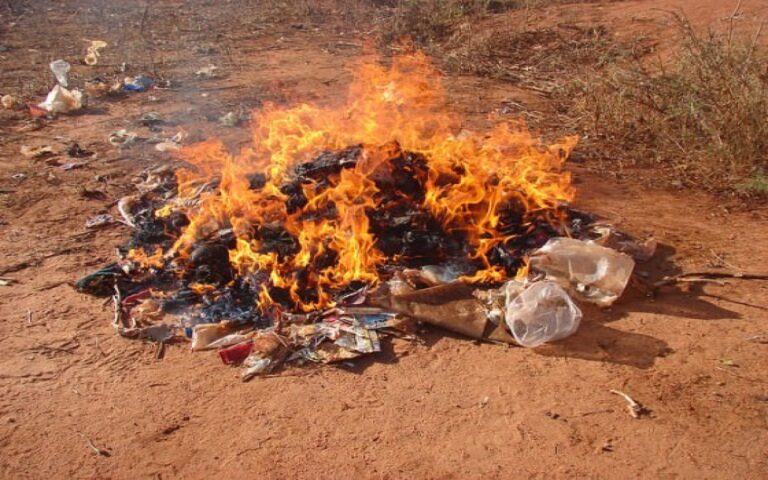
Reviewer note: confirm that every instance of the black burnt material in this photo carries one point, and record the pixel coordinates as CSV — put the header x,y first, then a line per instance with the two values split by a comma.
x,y
202,283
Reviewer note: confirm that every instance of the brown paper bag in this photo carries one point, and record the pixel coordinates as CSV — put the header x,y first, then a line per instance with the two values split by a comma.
x,y
451,306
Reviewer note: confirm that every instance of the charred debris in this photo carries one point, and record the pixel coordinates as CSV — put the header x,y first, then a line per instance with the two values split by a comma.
x,y
427,275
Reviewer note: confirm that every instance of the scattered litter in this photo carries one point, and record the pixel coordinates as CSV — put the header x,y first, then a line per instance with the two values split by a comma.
x,y
208,72
72,165
635,408
160,333
139,83
124,206
36,112
451,306
5,282
763,339
122,138
99,221
609,236
230,119
152,120
76,151
98,86
92,57
61,100
542,312
171,144
19,177
205,335
60,70
591,272
236,353
10,102
256,366
37,152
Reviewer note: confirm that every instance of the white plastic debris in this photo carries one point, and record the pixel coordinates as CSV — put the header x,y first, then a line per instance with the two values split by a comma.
x,y
592,273
229,340
61,100
608,236
542,312
230,119
60,70
208,72
204,334
99,221
255,365
171,144
122,138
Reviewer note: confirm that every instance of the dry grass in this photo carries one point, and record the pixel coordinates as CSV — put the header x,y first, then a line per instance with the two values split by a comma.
x,y
356,14
429,22
700,118
539,58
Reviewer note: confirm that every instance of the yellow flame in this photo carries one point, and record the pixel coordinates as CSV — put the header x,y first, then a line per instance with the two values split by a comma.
x,y
470,175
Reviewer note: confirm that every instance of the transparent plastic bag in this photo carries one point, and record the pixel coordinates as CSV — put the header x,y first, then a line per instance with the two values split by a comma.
x,y
542,312
60,70
593,273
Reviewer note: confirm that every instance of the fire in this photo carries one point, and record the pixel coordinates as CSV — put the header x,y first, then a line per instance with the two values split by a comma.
x,y
466,180
140,258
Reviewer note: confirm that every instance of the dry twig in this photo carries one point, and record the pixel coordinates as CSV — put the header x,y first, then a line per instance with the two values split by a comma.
x,y
707,277
99,451
635,408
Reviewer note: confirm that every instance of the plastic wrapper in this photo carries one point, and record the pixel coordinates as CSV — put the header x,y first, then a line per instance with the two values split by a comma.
x,y
236,353
61,100
542,312
139,83
591,272
608,236
204,334
230,340
254,366
60,70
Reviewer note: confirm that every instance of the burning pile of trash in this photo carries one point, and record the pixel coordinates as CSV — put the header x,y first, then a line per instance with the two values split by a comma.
x,y
340,226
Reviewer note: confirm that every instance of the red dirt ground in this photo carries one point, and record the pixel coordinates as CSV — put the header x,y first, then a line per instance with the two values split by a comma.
x,y
451,408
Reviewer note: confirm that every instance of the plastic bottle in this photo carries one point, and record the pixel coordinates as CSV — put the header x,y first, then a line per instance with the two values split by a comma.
x,y
542,312
60,70
593,273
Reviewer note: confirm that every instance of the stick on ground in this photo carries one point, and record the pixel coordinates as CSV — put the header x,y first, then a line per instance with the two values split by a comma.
x,y
635,408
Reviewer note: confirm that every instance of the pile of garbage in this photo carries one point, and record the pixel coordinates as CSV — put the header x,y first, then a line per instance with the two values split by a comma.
x,y
339,227
560,261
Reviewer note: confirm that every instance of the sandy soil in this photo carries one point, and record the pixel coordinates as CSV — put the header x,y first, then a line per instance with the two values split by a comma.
x,y
450,408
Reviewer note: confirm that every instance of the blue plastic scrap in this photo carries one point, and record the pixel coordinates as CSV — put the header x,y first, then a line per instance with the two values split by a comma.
x,y
139,83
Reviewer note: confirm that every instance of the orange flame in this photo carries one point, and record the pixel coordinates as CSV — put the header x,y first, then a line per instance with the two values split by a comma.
x,y
399,104
145,261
